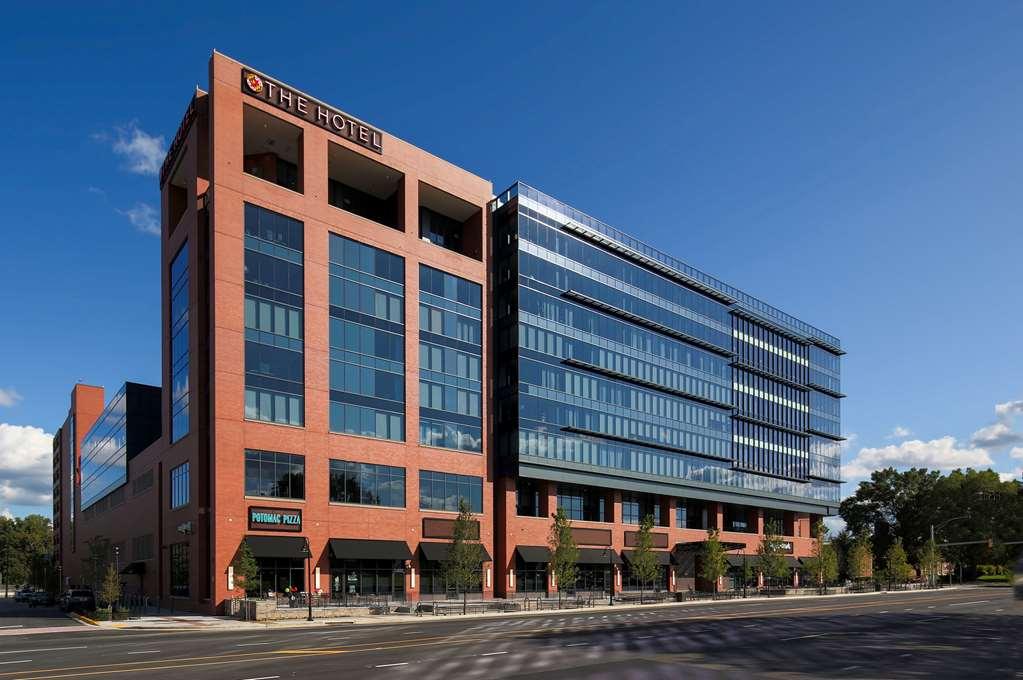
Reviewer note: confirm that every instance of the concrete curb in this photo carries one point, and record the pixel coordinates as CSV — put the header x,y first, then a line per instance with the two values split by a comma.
x,y
80,618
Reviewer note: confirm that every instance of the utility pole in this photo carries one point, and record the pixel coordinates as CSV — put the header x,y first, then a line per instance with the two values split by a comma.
x,y
932,576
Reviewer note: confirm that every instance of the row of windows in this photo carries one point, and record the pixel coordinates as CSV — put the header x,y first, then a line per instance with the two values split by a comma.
x,y
566,449
367,370
598,326
274,358
450,387
636,506
104,459
583,503
768,350
179,325
766,449
536,271
179,479
545,232
825,413
620,398
271,474
750,403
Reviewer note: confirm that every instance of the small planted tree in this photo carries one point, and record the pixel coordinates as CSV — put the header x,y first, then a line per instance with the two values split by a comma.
x,y
464,563
771,553
861,559
714,564
896,563
110,589
823,563
246,569
564,552
644,561
930,559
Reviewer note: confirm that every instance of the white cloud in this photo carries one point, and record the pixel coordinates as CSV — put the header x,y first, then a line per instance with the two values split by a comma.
x,y
899,432
1000,433
143,152
9,396
6,512
26,455
938,454
1009,409
1017,452
997,435
1010,476
144,218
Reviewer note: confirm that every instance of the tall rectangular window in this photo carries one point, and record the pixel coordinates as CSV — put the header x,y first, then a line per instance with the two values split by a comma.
x,y
450,361
367,484
180,558
274,475
367,340
179,294
445,491
179,486
274,306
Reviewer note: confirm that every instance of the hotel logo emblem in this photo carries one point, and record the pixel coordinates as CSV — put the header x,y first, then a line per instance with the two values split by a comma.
x,y
254,82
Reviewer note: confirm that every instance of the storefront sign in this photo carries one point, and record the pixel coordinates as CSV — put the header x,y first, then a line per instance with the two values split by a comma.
x,y
786,547
274,519
310,110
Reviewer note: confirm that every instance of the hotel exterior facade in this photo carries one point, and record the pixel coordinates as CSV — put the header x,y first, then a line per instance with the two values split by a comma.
x,y
359,336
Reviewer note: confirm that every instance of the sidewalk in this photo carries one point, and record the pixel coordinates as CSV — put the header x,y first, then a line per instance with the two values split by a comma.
x,y
224,623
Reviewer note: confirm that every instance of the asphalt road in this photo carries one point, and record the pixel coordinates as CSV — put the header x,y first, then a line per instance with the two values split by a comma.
x,y
955,634
19,616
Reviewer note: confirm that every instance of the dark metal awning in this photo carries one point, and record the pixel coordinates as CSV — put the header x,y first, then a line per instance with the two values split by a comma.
x,y
663,556
134,568
739,560
292,547
438,552
534,553
357,549
597,556
793,562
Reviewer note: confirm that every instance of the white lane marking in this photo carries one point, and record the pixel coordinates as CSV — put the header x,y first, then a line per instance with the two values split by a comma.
x,y
999,610
44,649
643,637
750,625
884,612
577,644
931,607
908,610
388,665
849,668
18,626
332,639
957,604
493,653
3,663
253,644
263,677
145,651
803,637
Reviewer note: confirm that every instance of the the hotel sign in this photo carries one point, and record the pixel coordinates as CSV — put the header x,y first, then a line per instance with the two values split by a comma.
x,y
274,519
310,110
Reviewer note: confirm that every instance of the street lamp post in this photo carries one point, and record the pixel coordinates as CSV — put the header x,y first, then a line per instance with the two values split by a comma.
x,y
309,578
611,576
934,567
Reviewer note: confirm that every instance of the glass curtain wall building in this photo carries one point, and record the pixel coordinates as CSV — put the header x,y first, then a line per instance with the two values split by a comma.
x,y
615,361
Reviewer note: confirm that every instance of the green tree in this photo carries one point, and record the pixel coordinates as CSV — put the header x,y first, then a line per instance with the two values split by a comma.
x,y
860,563
110,590
464,563
95,560
714,564
12,565
644,561
893,504
564,552
246,569
25,551
823,562
896,562
771,554
930,559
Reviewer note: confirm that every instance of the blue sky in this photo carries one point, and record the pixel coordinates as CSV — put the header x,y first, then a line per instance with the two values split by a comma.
x,y
856,165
